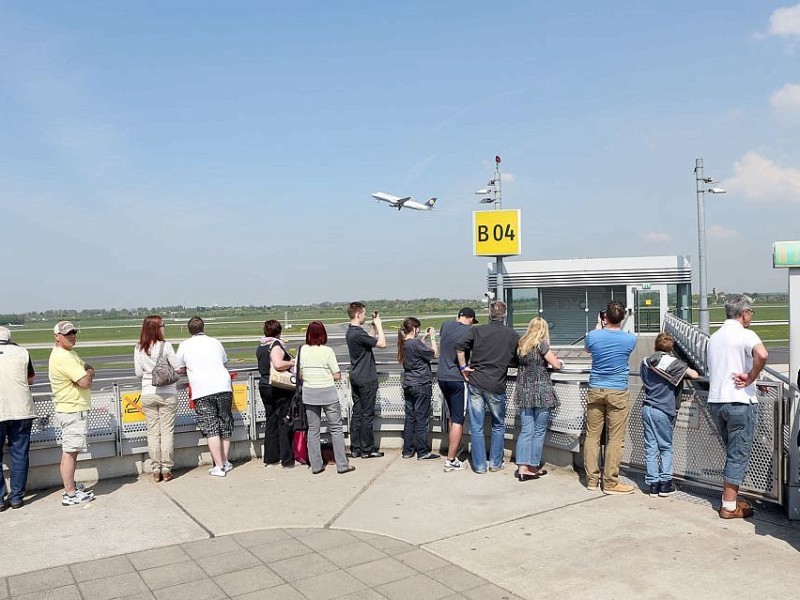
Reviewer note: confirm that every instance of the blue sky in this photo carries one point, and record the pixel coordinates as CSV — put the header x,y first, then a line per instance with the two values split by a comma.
x,y
157,153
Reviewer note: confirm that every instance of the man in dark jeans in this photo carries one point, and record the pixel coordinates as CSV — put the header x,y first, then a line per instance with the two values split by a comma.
x,y
492,349
363,379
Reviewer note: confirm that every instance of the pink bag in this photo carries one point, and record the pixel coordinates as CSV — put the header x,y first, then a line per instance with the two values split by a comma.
x,y
300,446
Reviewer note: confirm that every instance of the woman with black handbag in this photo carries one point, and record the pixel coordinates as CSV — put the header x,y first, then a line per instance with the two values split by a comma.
x,y
159,402
272,355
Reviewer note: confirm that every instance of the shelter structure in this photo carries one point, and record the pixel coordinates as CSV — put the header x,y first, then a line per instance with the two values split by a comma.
x,y
569,293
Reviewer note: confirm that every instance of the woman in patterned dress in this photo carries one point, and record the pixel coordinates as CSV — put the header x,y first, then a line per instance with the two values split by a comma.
x,y
535,397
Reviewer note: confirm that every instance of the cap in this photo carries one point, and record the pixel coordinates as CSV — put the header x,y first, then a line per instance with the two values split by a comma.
x,y
5,334
467,312
64,327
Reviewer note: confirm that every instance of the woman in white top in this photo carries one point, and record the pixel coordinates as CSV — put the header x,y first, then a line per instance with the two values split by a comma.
x,y
319,371
159,404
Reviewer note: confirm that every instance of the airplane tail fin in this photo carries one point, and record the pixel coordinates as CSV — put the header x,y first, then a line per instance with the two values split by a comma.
x,y
431,202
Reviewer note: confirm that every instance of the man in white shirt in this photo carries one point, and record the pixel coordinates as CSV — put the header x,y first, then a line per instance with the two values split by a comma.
x,y
736,357
202,358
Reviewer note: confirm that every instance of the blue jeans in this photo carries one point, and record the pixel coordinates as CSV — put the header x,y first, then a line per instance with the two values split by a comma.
x,y
418,414
530,442
479,400
658,427
736,424
18,433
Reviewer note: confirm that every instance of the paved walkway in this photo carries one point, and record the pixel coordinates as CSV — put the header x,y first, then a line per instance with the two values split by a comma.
x,y
392,529
280,564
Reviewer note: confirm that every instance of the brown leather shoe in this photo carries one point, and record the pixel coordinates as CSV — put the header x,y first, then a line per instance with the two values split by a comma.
x,y
166,476
157,476
743,510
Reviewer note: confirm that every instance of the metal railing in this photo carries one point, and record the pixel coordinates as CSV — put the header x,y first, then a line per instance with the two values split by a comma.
x,y
774,469
117,427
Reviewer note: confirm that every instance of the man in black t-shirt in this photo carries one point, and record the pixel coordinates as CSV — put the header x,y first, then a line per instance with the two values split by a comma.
x,y
363,378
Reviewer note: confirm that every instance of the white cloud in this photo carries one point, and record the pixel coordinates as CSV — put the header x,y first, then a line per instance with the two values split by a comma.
x,y
507,177
720,232
760,179
787,100
656,236
785,21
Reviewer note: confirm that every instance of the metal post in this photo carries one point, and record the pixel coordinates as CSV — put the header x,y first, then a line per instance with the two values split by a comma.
x,y
793,488
794,323
498,192
499,294
498,205
701,245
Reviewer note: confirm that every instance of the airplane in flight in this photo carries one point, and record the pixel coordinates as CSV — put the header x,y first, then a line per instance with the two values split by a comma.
x,y
407,202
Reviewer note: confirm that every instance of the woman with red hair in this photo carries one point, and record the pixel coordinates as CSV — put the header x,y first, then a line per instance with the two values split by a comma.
x,y
159,404
319,371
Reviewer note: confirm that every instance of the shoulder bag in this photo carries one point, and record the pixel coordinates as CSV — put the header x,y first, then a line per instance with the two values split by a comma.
x,y
163,373
284,380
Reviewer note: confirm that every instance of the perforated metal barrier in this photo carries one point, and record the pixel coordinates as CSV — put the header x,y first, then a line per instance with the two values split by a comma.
x,y
698,451
699,455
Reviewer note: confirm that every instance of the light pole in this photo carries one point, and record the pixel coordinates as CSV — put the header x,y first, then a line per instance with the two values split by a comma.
x,y
702,181
493,191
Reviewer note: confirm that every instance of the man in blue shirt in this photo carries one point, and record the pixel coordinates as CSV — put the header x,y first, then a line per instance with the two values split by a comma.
x,y
608,401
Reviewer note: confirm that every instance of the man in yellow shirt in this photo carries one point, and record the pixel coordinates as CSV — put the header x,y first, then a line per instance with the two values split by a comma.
x,y
71,380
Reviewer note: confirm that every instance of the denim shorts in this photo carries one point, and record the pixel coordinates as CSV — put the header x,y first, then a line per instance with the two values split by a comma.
x,y
455,395
736,424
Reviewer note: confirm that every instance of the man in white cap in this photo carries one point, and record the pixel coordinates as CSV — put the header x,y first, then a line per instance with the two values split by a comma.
x,y
71,380
16,417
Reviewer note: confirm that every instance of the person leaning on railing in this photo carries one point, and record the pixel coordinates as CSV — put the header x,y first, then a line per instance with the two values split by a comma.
x,y
159,404
536,397
272,354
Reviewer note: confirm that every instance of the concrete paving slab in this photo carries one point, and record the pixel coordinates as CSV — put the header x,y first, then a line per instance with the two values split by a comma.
x,y
295,499
492,538
128,515
419,502
661,548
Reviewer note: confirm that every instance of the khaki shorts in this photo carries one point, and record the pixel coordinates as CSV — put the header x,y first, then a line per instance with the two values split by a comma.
x,y
74,430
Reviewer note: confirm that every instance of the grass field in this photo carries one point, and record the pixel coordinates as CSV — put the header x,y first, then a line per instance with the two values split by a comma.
x,y
127,330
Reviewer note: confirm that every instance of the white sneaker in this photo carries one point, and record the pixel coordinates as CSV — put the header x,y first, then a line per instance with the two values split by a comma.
x,y
453,465
217,471
227,466
78,497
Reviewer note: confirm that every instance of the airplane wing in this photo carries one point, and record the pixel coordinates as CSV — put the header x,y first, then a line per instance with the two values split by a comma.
x,y
393,201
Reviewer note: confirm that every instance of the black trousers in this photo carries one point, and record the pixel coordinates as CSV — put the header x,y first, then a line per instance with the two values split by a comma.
x,y
277,434
362,439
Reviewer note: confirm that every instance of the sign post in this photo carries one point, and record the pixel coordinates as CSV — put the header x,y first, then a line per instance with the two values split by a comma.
x,y
786,255
497,233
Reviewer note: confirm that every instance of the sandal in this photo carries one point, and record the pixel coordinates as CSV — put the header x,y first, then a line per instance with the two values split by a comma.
x,y
541,472
528,476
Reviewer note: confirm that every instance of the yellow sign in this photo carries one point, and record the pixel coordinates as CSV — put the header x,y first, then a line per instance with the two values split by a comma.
x,y
496,233
132,407
648,302
239,397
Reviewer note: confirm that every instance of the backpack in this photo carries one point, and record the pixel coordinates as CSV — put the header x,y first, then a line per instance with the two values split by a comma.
x,y
163,373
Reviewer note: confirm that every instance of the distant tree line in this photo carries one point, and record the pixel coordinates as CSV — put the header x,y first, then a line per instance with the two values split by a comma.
x,y
394,307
